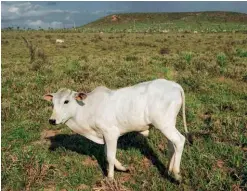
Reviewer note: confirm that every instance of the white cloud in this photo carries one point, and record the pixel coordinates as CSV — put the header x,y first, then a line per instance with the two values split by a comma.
x,y
67,18
15,11
45,25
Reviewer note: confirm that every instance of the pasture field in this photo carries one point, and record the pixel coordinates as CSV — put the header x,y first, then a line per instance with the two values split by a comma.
x,y
211,67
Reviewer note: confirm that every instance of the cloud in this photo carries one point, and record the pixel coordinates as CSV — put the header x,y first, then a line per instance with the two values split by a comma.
x,y
17,11
45,25
67,18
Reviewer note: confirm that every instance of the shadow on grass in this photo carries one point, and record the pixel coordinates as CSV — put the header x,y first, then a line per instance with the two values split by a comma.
x,y
81,145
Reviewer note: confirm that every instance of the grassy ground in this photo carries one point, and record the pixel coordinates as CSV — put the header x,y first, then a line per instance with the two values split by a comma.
x,y
212,69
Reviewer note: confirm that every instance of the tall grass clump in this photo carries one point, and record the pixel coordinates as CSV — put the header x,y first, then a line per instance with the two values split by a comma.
x,y
221,59
188,57
222,62
37,55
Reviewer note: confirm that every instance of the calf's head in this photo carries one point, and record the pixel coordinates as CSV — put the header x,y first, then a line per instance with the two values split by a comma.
x,y
65,104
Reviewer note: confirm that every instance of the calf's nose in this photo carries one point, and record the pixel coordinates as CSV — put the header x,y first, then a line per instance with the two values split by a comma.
x,y
52,121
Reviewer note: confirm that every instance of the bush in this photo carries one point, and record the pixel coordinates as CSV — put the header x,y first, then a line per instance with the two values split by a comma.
x,y
131,58
164,51
241,53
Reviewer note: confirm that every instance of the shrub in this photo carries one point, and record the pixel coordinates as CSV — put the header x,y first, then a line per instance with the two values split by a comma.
x,y
37,55
131,58
180,65
221,59
164,51
48,36
245,78
241,53
4,41
190,83
96,38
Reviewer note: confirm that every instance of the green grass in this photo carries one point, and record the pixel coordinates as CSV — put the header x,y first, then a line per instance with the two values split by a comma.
x,y
215,109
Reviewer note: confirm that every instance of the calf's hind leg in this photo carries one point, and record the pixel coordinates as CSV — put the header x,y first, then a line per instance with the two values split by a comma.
x,y
171,156
177,140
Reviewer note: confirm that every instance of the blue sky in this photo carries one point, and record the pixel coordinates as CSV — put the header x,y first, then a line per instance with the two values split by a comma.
x,y
65,14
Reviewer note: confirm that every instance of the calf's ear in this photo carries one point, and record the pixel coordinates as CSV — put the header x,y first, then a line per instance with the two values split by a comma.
x,y
80,96
48,97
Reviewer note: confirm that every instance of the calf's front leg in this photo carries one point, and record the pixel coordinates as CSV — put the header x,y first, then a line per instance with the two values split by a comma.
x,y
117,164
111,149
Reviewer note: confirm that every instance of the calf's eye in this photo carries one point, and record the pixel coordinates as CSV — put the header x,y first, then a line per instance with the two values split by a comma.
x,y
66,101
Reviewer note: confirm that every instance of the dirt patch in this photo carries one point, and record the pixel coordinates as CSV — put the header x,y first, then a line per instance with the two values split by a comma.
x,y
109,185
45,135
49,133
126,177
89,162
236,187
244,149
114,18
146,162
221,79
36,173
220,163
82,187
50,188
206,116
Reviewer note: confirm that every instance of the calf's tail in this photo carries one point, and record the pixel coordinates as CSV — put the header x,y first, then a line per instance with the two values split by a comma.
x,y
188,135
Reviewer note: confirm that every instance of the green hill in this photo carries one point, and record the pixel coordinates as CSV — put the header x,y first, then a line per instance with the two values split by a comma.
x,y
162,22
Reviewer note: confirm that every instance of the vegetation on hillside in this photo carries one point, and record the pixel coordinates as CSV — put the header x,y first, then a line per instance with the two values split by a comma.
x,y
162,22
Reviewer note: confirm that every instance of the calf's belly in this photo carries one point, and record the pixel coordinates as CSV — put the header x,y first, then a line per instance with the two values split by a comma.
x,y
127,129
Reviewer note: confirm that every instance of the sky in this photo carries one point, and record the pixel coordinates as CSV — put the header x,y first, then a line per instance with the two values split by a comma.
x,y
62,14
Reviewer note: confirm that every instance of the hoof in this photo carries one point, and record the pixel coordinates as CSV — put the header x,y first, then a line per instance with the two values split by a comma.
x,y
178,178
122,169
109,179
175,178
127,170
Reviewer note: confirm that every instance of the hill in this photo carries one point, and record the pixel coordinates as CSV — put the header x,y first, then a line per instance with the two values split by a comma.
x,y
158,22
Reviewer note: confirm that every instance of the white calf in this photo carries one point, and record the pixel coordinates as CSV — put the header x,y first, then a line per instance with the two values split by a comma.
x,y
104,115
59,41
